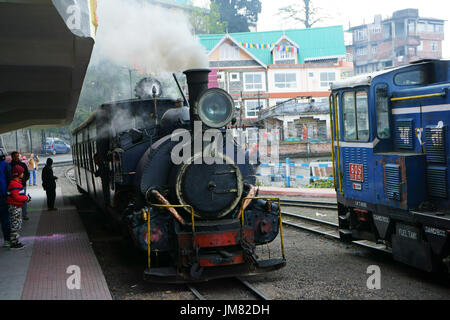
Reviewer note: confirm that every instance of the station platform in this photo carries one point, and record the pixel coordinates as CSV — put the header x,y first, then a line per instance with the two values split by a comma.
x,y
57,247
298,192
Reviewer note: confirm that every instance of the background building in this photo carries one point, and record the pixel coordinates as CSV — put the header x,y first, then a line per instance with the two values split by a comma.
x,y
264,69
396,41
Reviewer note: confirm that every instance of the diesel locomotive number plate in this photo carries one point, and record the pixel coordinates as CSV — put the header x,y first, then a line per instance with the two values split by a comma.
x,y
356,172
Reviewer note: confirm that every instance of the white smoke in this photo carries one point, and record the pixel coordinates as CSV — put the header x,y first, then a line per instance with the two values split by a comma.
x,y
147,38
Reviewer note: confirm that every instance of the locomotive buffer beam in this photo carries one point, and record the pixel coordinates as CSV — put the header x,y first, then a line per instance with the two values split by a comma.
x,y
171,274
221,255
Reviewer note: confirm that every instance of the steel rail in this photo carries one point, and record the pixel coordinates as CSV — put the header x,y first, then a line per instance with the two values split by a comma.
x,y
313,229
245,283
72,181
331,224
332,233
253,289
309,204
195,292
57,164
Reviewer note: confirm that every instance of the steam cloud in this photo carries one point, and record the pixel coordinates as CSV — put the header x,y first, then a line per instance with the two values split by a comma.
x,y
148,38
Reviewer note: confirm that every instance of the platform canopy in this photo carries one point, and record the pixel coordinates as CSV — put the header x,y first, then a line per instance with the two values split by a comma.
x,y
45,48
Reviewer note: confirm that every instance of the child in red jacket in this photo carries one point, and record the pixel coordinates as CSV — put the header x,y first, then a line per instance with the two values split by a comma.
x,y
16,200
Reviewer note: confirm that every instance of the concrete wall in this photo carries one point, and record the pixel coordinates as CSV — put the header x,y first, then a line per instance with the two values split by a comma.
x,y
304,149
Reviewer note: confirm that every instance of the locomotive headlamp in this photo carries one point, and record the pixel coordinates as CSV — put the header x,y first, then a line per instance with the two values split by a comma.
x,y
215,108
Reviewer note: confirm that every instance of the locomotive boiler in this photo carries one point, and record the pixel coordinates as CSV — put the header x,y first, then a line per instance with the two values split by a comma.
x,y
147,162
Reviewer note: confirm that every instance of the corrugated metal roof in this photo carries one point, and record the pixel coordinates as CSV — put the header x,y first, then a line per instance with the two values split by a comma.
x,y
313,42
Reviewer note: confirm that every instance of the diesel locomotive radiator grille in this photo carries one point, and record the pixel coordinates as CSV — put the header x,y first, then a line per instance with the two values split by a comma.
x,y
435,144
392,186
404,138
437,182
356,156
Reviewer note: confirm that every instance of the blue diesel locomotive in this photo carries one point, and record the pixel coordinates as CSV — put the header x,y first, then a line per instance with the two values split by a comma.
x,y
391,143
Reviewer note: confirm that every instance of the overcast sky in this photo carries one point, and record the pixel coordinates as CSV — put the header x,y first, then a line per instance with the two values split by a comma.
x,y
356,12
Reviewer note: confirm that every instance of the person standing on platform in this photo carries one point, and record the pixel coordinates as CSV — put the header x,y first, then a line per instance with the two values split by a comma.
x,y
16,160
32,168
5,178
16,200
49,184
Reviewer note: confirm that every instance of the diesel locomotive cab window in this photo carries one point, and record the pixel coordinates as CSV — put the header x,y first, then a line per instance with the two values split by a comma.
x,y
382,103
349,116
356,116
410,78
362,112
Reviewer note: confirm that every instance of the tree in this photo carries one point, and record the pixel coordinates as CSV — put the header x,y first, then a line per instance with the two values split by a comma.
x,y
238,14
208,23
302,11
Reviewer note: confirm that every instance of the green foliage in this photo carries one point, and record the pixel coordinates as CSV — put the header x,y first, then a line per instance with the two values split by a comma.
x,y
208,23
238,14
321,184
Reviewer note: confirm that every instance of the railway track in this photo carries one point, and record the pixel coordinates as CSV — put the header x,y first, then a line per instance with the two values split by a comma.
x,y
324,228
309,204
69,177
57,164
252,289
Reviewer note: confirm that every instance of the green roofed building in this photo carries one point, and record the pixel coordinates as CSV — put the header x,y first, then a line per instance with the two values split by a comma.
x,y
316,43
264,69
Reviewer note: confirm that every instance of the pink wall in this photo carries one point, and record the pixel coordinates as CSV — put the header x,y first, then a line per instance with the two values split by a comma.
x,y
213,83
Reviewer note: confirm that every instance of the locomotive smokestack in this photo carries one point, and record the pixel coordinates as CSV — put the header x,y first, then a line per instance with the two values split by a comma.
x,y
197,80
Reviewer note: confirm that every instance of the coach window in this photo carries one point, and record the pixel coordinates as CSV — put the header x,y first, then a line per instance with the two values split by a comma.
x,y
382,104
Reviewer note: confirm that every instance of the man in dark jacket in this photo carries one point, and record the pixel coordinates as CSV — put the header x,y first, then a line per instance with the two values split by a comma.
x,y
5,177
15,160
49,184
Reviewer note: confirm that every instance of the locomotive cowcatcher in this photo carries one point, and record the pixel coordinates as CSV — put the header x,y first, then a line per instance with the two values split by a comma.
x,y
391,159
195,220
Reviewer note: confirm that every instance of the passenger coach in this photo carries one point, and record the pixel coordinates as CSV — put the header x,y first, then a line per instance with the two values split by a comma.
x,y
391,160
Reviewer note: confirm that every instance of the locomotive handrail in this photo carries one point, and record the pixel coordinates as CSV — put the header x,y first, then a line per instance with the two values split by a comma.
x,y
433,95
337,142
194,242
242,215
332,139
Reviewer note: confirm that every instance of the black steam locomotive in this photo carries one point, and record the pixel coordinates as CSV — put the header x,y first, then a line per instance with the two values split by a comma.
x,y
196,221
